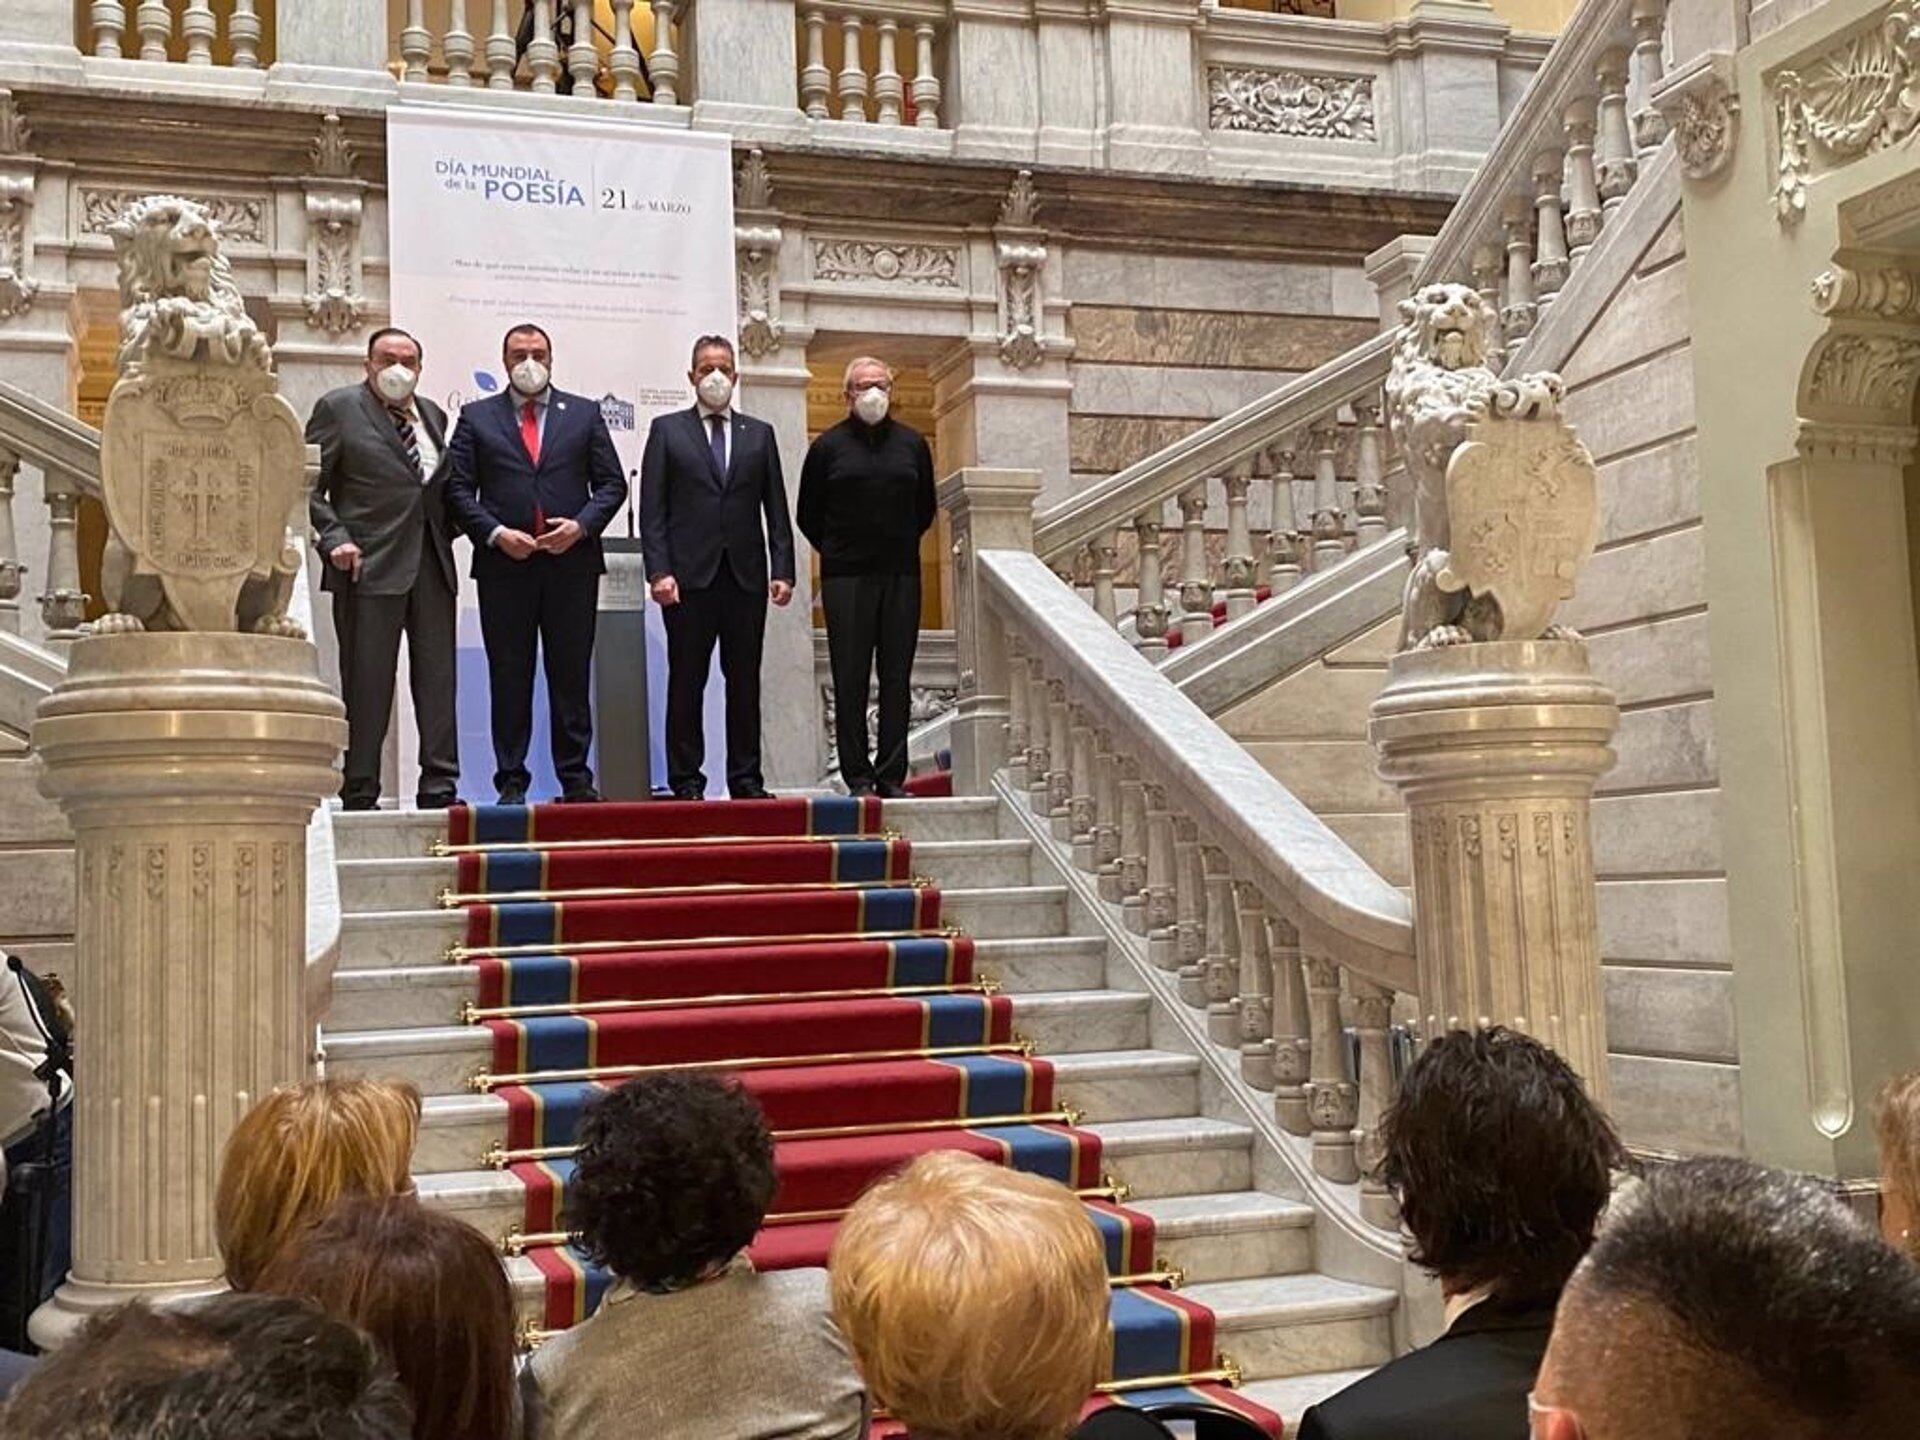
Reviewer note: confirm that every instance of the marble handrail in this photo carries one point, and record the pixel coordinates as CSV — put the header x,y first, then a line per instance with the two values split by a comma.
x,y
1304,871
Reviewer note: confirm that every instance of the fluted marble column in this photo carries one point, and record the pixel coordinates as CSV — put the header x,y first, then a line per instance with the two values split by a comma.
x,y
188,765
1496,748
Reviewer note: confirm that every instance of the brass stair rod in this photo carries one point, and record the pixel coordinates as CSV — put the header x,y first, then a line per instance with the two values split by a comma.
x,y
458,953
444,848
472,1014
451,900
483,1082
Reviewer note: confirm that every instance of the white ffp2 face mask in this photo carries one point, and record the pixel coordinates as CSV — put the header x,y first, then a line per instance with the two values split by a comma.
x,y
396,384
715,389
871,404
530,377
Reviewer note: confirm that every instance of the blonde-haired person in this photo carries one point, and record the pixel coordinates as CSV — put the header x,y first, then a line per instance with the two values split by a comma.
x,y
975,1300
1896,1122
297,1152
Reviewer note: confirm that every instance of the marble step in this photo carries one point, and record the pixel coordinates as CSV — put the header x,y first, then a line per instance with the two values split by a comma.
x,y
1244,1235
439,1059
1155,1158
1289,1396
417,882
408,834
432,994
384,939
1106,1086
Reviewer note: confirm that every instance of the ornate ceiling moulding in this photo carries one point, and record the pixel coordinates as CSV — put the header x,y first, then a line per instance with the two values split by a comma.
x,y
911,265
1868,287
1852,99
1291,102
1701,104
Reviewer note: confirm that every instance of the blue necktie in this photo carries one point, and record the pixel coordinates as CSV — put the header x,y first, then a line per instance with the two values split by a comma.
x,y
717,439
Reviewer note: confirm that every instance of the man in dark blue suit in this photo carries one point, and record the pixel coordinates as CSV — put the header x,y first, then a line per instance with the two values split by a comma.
x,y
533,478
709,476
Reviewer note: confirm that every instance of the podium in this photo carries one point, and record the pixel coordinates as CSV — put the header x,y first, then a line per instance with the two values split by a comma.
x,y
620,674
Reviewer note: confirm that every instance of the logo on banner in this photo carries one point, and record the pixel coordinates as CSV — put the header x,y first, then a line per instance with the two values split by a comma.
x,y
619,414
509,184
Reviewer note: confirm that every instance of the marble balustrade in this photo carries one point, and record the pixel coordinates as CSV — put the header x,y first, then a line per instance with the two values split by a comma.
x,y
872,63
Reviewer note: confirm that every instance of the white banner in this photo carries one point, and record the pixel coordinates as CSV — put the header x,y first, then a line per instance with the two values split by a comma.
x,y
617,240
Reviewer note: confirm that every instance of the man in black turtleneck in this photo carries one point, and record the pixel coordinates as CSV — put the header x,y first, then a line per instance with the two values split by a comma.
x,y
866,498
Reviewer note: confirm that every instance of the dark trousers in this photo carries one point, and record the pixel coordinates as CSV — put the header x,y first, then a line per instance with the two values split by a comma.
x,y
541,605
734,617
36,1223
873,623
369,628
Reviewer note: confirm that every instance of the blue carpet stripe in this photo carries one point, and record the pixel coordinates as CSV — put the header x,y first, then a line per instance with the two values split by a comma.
x,y
861,861
557,1042
502,824
1113,1239
1148,1337
541,980
510,871
995,1085
526,923
922,962
833,815
957,1020
890,910
1035,1150
562,1103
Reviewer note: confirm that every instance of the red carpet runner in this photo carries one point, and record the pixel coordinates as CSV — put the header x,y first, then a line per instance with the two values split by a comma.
x,y
788,943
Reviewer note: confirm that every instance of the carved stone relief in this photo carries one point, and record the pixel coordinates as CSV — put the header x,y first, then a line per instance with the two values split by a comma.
x,y
1291,102
17,174
1865,372
242,219
1858,97
935,267
1702,109
756,240
1020,252
336,297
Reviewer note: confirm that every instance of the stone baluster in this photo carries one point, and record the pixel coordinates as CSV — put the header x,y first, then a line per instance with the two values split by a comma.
x,y
1106,817
243,35
583,60
1259,477
1238,570
926,84
1133,848
1615,166
1162,940
63,607
1196,581
1220,965
197,29
1517,316
1256,988
1649,126
1060,758
1291,1030
416,43
10,567
1080,799
815,79
1370,474
888,88
1333,1100
1372,1024
1584,214
1104,549
456,46
1550,262
109,19
155,22
623,61
1190,910
1019,718
663,61
853,75
500,48
1039,758
1284,538
1488,262
543,55
1150,605
1329,531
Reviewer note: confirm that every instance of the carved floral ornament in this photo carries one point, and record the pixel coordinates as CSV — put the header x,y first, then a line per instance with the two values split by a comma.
x,y
1291,102
1701,105
756,241
917,265
1860,96
17,175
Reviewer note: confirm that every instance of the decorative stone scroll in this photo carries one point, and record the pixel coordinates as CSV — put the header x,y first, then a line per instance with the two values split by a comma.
x,y
1858,97
1021,252
18,171
336,295
916,265
1291,102
756,242
202,463
1701,105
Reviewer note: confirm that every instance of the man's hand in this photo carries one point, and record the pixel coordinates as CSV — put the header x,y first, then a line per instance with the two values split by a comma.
x,y
665,590
780,591
561,536
516,544
346,557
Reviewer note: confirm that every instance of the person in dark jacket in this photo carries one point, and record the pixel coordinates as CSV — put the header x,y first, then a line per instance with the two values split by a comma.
x,y
1501,1166
866,498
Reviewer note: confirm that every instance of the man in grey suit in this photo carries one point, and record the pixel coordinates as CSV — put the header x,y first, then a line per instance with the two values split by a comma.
x,y
379,510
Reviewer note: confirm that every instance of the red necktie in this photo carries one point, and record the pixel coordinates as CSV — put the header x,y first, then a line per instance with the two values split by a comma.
x,y
530,432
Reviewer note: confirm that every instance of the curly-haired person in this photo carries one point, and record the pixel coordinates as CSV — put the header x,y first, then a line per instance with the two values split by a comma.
x,y
673,1176
1502,1166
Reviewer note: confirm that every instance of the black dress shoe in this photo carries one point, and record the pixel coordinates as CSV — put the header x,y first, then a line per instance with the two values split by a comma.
x,y
585,795
758,792
687,792
513,795
439,800
887,790
361,802
861,789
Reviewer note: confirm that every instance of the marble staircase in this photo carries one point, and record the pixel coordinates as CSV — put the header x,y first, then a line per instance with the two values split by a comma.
x,y
1190,1159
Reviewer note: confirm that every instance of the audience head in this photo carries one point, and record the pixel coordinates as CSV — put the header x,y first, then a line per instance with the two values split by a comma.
x,y
1725,1301
673,1175
236,1367
1896,1120
1500,1164
868,386
431,1290
297,1152
974,1298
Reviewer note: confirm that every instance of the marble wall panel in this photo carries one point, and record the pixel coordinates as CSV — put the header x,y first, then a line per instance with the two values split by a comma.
x,y
1678,1106
1647,314
26,815
1668,748
1663,660
1671,834
1132,335
1198,282
1661,575
1666,922
1650,490
1668,246
1687,1014
1168,391
1102,444
1637,407
38,886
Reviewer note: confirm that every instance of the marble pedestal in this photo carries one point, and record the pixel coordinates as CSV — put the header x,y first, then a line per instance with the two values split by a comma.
x,y
189,765
1496,748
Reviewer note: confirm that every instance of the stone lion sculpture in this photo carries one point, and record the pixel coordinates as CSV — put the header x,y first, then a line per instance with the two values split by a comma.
x,y
1441,385
194,543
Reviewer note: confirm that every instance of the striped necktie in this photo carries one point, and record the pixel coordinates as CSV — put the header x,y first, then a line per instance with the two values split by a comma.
x,y
408,440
